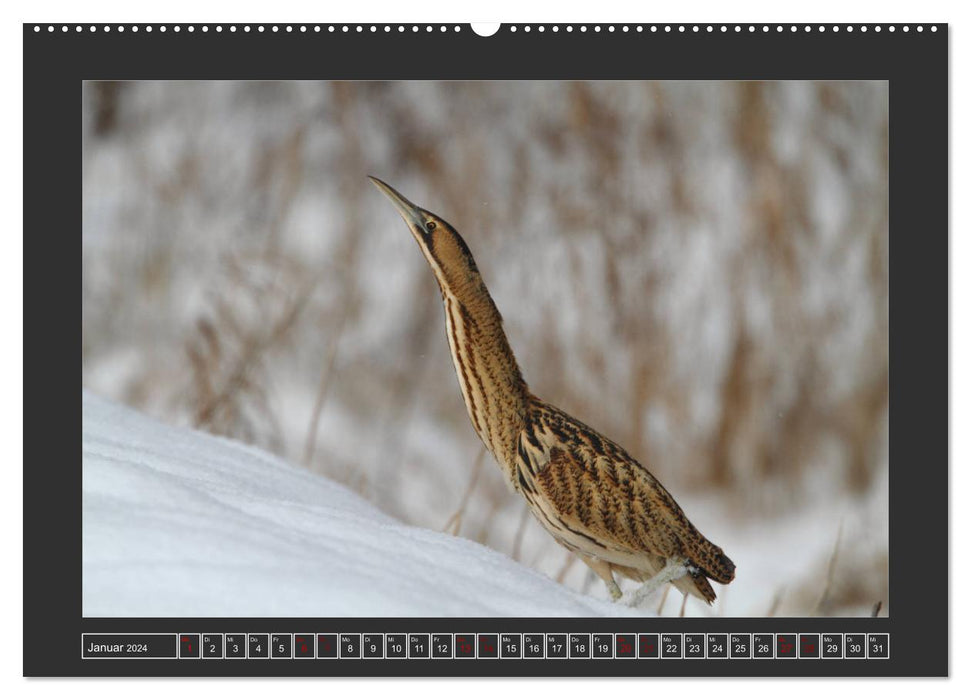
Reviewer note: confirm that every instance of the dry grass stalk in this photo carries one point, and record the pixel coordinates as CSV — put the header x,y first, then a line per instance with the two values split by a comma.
x,y
571,559
228,353
517,543
830,570
323,388
454,523
664,599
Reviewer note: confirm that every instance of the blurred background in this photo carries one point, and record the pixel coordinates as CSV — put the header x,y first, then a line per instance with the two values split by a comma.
x,y
698,270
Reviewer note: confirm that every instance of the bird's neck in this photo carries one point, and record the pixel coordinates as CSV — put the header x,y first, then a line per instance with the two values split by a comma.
x,y
495,394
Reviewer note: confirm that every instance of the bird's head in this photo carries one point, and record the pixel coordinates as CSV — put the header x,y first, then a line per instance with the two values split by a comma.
x,y
440,243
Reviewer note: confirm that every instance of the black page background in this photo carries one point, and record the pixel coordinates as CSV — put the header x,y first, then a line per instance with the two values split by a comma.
x,y
56,63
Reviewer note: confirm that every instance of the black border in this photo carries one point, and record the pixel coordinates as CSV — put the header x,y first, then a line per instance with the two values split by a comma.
x,y
916,65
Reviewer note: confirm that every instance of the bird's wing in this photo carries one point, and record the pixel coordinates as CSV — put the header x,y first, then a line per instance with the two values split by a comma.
x,y
615,501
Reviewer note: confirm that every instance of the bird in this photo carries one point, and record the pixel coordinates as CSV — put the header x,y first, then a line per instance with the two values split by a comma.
x,y
586,490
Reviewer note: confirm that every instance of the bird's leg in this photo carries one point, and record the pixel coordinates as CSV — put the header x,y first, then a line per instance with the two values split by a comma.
x,y
674,569
602,569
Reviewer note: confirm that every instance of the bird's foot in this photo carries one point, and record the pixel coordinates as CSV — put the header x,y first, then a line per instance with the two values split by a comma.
x,y
674,569
614,590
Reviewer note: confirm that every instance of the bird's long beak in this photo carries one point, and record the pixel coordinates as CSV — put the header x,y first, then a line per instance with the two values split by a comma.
x,y
409,212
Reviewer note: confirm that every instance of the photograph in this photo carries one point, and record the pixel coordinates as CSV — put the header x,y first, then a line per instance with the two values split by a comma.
x,y
482,348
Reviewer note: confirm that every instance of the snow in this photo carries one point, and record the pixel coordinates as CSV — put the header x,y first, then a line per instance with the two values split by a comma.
x,y
182,523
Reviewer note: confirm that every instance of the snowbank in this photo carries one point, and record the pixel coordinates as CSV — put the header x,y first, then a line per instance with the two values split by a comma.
x,y
182,523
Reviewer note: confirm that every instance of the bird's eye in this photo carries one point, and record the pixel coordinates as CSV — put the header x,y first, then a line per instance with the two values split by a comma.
x,y
430,226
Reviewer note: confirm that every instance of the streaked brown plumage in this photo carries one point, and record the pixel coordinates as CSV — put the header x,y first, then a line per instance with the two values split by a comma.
x,y
594,498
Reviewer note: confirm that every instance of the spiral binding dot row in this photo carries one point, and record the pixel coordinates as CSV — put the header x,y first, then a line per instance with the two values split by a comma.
x,y
512,28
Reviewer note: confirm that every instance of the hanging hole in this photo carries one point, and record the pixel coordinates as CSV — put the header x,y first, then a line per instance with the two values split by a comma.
x,y
485,28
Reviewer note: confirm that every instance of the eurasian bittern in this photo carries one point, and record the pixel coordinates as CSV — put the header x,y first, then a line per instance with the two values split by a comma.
x,y
594,498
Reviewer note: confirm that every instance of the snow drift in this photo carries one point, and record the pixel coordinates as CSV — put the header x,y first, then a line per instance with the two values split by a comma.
x,y
182,523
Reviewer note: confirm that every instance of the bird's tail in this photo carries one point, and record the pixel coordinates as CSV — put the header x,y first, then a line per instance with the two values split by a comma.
x,y
707,561
714,563
696,583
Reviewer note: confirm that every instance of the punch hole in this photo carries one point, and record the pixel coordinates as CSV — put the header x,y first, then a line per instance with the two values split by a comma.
x,y
485,28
